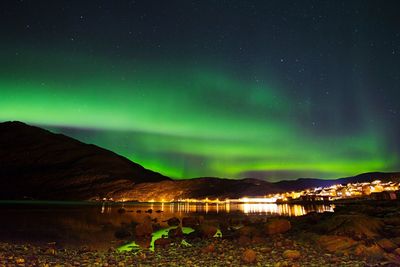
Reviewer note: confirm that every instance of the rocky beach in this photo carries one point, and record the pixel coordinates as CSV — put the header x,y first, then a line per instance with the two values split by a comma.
x,y
356,234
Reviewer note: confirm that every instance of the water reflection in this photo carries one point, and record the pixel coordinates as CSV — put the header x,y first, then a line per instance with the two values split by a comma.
x,y
245,208
95,224
269,208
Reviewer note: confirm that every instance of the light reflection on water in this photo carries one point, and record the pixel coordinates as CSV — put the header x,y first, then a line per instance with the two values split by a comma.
x,y
245,208
284,209
95,224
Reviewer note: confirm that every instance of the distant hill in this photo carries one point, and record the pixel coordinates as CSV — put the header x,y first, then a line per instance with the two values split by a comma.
x,y
305,183
213,188
36,163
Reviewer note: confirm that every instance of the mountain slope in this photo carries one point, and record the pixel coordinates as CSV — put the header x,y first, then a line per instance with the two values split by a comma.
x,y
40,164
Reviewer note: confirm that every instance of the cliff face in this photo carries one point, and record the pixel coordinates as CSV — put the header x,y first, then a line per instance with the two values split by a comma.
x,y
39,164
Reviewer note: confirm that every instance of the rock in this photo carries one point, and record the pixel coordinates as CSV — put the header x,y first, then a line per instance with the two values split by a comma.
x,y
265,250
163,242
396,240
395,220
277,227
190,222
358,226
20,261
249,231
122,233
209,249
397,251
50,251
156,226
194,235
392,258
288,242
387,245
173,221
143,242
282,264
149,211
334,243
360,250
207,231
143,229
373,252
175,233
249,256
291,254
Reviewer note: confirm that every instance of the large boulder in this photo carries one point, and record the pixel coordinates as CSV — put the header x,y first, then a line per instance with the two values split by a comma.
x,y
143,230
387,245
175,233
333,243
173,221
357,226
190,222
207,230
373,253
277,227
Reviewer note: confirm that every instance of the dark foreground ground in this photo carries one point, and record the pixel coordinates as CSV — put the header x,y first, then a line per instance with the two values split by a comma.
x,y
206,253
357,234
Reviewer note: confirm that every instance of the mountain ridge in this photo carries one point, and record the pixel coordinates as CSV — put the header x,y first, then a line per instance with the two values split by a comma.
x,y
39,164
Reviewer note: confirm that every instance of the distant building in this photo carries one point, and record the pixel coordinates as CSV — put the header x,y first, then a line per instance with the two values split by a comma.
x,y
366,190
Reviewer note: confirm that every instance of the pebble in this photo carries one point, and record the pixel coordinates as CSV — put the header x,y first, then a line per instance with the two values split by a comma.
x,y
221,252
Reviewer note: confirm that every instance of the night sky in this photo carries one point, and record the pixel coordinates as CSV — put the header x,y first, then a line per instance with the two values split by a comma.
x,y
265,89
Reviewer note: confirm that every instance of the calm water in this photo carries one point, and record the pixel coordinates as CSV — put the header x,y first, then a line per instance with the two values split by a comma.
x,y
94,225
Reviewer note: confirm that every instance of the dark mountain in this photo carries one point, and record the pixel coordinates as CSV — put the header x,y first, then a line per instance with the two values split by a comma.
x,y
39,164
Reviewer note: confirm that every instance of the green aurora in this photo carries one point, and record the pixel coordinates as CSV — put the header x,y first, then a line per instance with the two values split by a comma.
x,y
188,122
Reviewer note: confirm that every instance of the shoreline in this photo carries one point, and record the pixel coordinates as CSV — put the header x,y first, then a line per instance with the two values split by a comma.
x,y
356,235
